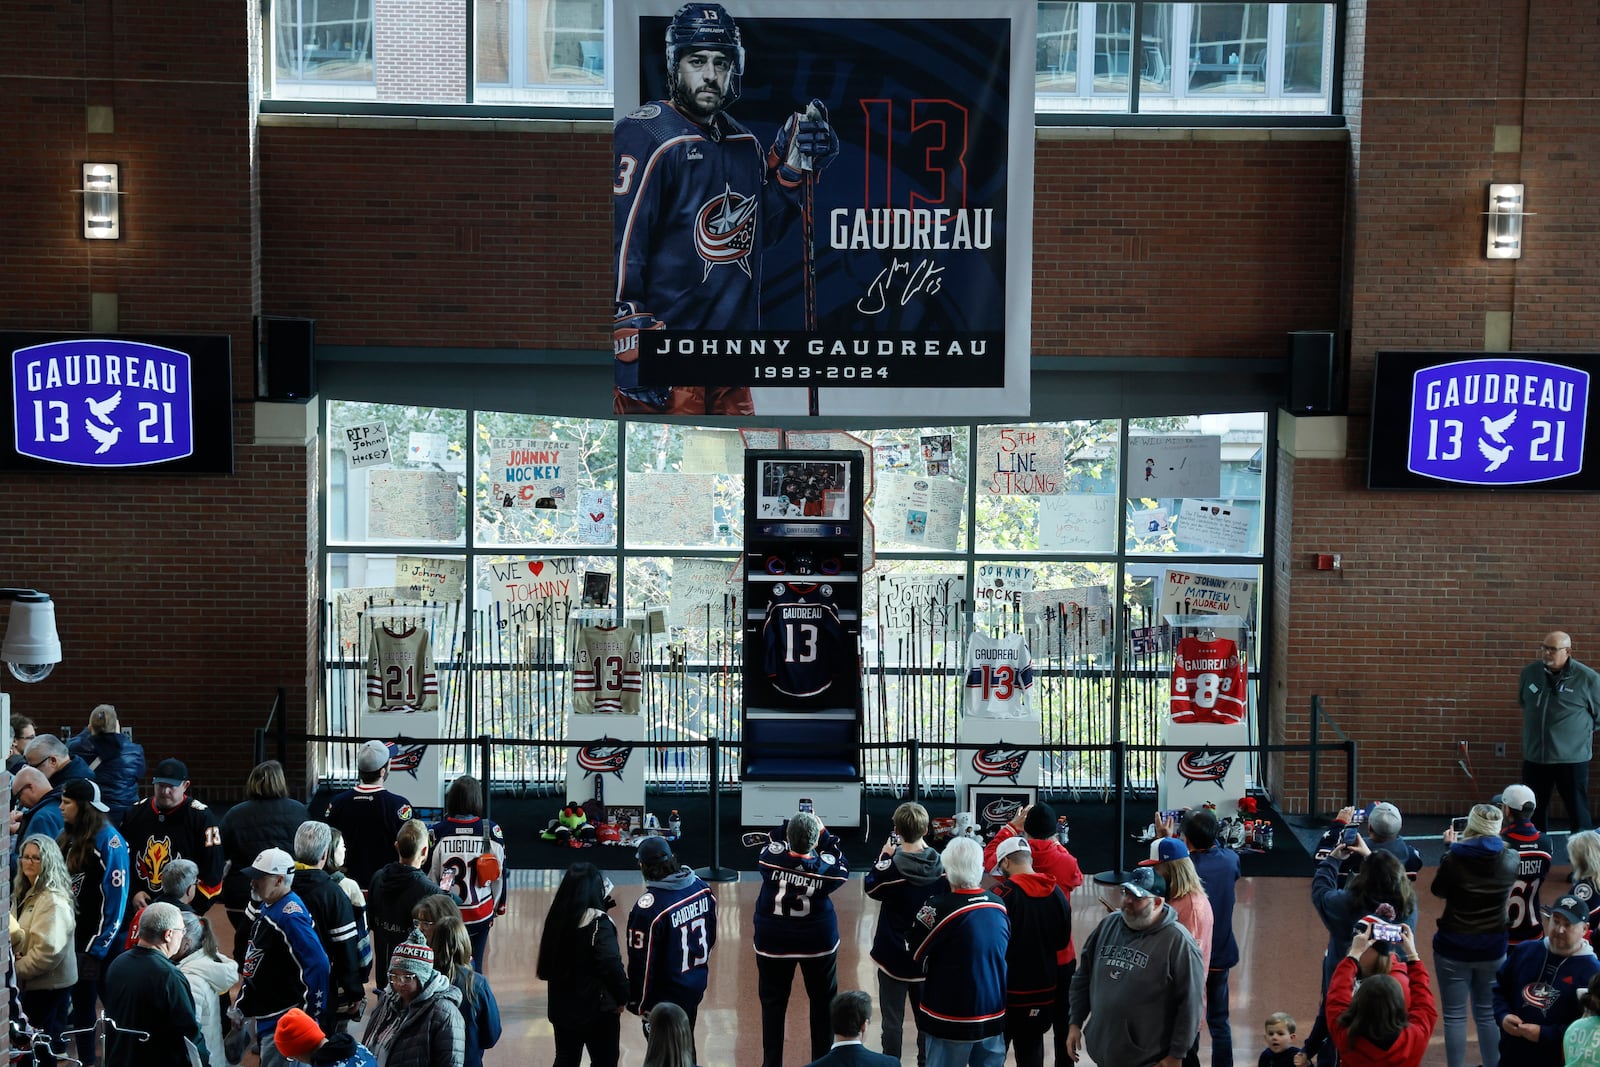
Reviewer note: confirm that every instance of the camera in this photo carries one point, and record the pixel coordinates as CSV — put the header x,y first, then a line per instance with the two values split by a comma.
x,y
1390,932
1459,824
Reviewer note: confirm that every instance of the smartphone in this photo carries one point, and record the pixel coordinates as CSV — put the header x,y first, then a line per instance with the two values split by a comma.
x,y
806,805
896,838
1350,835
1390,932
1174,815
1459,824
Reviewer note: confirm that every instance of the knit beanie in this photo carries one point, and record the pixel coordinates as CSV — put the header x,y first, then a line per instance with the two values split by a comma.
x,y
1040,822
298,1035
414,955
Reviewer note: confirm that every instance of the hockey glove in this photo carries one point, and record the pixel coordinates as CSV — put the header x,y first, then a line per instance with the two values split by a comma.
x,y
806,143
629,320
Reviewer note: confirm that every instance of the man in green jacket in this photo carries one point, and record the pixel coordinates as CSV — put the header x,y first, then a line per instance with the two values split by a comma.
x,y
1560,713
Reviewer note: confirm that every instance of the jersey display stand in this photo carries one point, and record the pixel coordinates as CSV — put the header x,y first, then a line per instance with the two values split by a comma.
x,y
802,636
402,696
997,778
1210,701
607,766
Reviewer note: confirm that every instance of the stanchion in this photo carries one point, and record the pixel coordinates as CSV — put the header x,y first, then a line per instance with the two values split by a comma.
x,y
485,752
914,769
282,723
716,872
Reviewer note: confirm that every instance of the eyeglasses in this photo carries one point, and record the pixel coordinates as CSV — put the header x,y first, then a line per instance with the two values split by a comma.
x,y
1554,648
422,922
35,858
400,976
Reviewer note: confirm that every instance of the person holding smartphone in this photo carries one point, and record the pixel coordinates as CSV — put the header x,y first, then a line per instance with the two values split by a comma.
x,y
1365,1019
1475,877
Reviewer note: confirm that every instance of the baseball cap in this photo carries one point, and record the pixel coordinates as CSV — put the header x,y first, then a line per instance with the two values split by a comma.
x,y
1569,908
654,849
1384,819
171,772
374,756
1010,847
85,791
1163,849
269,861
1145,882
1517,798
298,1035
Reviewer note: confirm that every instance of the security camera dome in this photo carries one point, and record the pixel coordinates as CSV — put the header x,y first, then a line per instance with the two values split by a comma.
x,y
31,672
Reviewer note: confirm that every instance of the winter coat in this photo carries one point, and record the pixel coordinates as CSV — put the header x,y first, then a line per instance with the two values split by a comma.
x,y
1560,713
209,977
42,940
480,1015
428,1032
343,1050
1340,910
1407,1049
118,765
595,982
249,828
1474,878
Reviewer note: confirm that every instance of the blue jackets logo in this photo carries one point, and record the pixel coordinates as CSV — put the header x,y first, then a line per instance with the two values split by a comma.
x,y
1000,811
1494,422
998,761
1205,766
100,403
406,760
604,756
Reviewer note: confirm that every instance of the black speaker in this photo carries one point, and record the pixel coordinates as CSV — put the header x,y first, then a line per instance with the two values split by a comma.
x,y
1313,366
286,363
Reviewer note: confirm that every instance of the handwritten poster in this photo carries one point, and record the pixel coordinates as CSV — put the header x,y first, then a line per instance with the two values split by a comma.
x,y
670,509
348,604
1078,522
425,578
1180,465
366,445
1149,522
525,588
762,438
412,506
597,517
1000,585
712,452
525,473
895,457
933,512
1214,525
699,584
427,447
1017,461
1191,593
920,601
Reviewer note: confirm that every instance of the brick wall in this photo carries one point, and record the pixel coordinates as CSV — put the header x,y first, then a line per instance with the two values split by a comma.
x,y
417,50
1416,643
184,601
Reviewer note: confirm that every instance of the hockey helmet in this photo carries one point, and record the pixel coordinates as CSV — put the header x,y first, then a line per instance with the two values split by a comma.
x,y
698,26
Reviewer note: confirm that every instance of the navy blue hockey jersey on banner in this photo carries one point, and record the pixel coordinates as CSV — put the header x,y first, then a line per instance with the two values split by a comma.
x,y
794,917
803,640
670,933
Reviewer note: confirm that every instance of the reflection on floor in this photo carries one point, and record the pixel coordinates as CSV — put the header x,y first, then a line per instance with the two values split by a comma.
x,y
1280,941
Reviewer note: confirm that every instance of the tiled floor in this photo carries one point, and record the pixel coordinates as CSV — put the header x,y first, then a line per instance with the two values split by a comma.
x,y
1280,940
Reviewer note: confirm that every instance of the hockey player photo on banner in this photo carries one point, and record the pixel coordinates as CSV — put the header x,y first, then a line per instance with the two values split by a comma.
x,y
822,207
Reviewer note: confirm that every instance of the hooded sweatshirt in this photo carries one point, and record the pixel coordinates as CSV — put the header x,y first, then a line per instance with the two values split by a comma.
x,y
1050,857
671,930
1408,1047
394,892
209,977
902,882
1537,986
1136,993
1041,926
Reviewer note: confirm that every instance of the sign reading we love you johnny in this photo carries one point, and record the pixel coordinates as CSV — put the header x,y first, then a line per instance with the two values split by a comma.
x,y
1517,421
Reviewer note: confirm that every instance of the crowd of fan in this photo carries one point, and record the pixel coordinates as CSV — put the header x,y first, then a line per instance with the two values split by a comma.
x,y
111,894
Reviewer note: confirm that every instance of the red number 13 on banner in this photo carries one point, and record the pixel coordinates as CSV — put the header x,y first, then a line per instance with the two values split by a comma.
x,y
938,146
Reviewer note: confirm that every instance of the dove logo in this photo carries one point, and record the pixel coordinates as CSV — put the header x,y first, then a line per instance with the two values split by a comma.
x,y
1498,422
96,402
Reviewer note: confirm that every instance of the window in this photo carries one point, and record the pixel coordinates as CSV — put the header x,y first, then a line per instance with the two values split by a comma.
x,y
1070,532
1182,58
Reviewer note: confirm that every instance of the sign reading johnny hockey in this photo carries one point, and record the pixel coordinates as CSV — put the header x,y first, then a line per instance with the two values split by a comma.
x,y
1515,421
822,207
154,403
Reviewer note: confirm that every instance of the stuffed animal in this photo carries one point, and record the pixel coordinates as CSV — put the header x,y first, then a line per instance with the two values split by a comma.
x,y
566,828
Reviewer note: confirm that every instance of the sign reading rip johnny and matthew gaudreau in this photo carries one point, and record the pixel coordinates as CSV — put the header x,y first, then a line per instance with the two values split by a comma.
x,y
823,195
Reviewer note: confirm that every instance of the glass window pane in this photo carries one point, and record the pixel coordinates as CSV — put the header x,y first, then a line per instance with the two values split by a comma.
x,y
1228,49
1056,53
1155,49
1304,37
415,491
919,499
1164,518
532,475
326,41
1081,518
1113,47
685,486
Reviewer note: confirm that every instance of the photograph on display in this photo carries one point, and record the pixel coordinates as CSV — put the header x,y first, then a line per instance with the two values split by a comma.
x,y
803,490
993,806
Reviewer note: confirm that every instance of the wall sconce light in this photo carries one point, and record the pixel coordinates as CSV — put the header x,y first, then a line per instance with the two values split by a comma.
x,y
1504,239
102,213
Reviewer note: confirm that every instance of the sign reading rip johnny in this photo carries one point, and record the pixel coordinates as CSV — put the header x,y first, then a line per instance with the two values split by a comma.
x,y
157,403
823,206
1461,421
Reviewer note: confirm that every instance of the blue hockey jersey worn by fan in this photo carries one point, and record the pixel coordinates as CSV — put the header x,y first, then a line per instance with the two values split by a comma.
x,y
960,940
671,930
285,966
794,915
902,882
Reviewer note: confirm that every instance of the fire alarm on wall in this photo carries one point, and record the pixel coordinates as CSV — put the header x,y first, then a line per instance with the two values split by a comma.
x,y
1328,561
